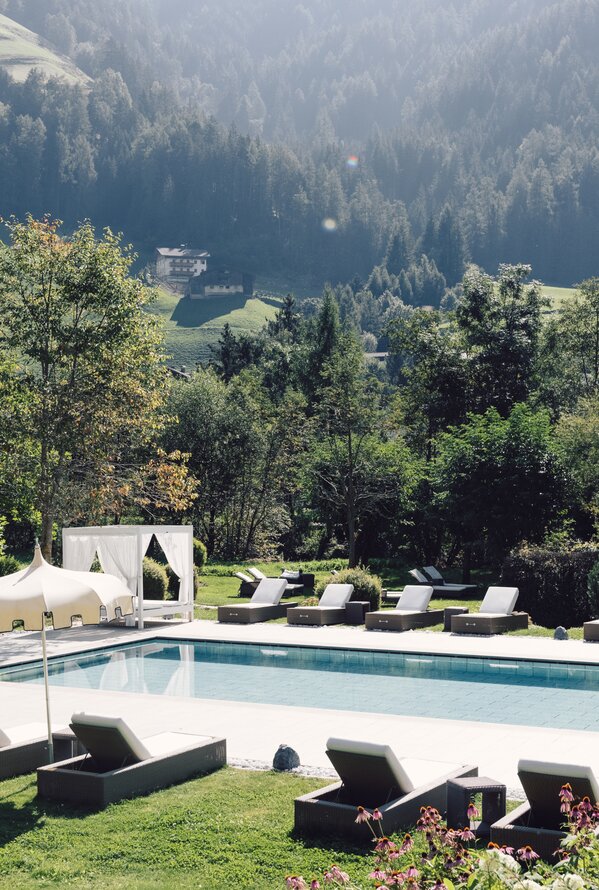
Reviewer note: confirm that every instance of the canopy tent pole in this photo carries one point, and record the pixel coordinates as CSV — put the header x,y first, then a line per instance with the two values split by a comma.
x,y
47,688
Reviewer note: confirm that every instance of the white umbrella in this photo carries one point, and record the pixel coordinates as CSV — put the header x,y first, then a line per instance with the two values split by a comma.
x,y
41,590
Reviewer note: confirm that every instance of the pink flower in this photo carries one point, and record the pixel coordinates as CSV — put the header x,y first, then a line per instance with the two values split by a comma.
x,y
412,872
363,815
314,885
335,874
471,812
466,835
377,815
384,845
527,854
406,844
295,882
377,875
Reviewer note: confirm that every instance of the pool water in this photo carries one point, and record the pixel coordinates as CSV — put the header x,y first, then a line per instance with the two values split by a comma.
x,y
530,693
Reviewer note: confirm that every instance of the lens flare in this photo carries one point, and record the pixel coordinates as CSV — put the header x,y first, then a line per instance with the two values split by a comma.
x,y
329,224
353,161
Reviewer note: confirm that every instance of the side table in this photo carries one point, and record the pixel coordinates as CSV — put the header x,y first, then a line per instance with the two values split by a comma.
x,y
355,611
459,794
448,614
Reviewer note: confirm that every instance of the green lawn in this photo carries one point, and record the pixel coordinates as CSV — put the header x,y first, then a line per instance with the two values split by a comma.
x,y
558,295
192,326
230,829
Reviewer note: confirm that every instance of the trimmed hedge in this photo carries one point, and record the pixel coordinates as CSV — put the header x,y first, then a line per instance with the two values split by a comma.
x,y
554,584
155,580
366,586
200,554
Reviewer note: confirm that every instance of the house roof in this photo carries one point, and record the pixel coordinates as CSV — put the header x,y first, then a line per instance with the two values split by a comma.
x,y
183,252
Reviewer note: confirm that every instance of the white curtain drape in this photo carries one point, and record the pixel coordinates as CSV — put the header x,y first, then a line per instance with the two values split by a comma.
x,y
176,550
118,556
79,551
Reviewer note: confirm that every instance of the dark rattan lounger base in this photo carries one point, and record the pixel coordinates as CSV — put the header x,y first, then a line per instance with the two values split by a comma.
x,y
591,631
514,831
75,780
479,623
331,811
253,614
389,619
316,615
25,757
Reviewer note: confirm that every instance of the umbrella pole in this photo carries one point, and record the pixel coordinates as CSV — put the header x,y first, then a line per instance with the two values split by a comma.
x,y
47,688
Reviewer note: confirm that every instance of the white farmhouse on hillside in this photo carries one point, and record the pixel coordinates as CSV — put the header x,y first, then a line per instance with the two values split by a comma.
x,y
180,263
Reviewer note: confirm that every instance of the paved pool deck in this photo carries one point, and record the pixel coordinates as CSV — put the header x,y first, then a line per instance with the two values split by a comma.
x,y
254,731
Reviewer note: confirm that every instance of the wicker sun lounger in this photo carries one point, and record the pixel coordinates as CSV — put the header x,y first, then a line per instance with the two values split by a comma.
x,y
120,764
538,822
247,584
410,612
372,776
330,610
440,586
495,616
23,748
264,604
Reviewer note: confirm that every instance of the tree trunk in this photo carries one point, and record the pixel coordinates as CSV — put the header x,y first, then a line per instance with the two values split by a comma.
x,y
46,535
466,564
351,540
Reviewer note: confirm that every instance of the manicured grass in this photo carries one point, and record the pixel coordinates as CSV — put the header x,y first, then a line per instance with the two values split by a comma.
x,y
192,326
230,829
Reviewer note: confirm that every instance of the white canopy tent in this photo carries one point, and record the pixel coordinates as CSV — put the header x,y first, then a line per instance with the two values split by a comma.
x,y
121,550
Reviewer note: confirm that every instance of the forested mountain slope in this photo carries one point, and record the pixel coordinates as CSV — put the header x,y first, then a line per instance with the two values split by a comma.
x,y
466,131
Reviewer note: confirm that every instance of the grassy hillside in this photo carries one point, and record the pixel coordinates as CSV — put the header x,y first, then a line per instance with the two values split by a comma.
x,y
21,50
191,326
558,295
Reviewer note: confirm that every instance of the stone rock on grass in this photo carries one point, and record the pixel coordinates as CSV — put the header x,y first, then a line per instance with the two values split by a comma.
x,y
285,759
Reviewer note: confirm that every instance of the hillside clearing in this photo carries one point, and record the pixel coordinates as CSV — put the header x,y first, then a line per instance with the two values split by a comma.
x,y
22,50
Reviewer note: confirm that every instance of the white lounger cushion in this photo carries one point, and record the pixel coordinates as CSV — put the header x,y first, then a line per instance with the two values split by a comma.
x,y
258,575
336,596
243,577
373,749
572,770
499,601
269,592
169,742
26,732
415,598
134,743
291,574
409,772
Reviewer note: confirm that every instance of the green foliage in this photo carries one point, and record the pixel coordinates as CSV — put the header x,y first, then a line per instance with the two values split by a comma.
x,y
156,582
499,481
200,554
593,590
366,585
9,564
555,585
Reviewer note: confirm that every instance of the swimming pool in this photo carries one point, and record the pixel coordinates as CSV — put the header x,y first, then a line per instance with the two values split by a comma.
x,y
495,690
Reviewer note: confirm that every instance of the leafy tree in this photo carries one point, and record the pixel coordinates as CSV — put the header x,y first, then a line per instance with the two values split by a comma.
x,y
501,324
354,471
498,481
577,434
435,379
89,377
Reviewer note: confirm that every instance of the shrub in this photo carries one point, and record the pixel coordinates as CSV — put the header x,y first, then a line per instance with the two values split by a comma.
x,y
366,586
593,590
155,580
554,584
200,554
173,583
9,564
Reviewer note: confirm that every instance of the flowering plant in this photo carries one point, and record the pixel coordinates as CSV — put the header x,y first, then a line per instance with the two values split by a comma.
x,y
437,857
